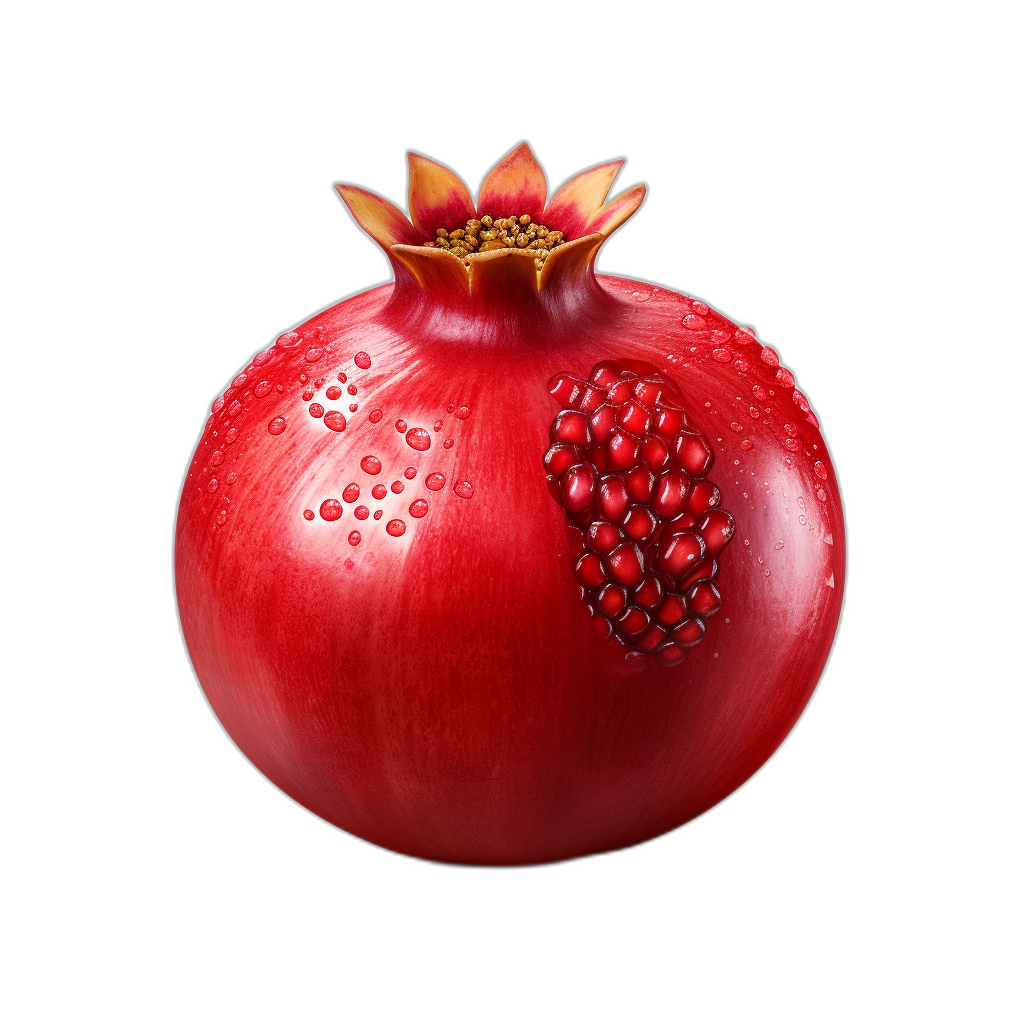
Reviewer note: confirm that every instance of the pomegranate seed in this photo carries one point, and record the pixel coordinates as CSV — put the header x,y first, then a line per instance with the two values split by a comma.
x,y
578,488
690,632
634,620
603,537
623,451
570,427
589,573
625,565
704,598
682,550
692,453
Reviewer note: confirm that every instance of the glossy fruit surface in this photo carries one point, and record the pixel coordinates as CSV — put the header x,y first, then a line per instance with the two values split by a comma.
x,y
382,600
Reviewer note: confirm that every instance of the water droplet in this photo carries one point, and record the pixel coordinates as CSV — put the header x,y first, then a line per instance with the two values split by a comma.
x,y
401,426
770,356
335,420
303,378
331,510
354,537
212,485
410,473
418,509
820,494
362,512
791,443
437,425
261,389
435,481
289,340
316,410
378,514
275,426
398,487
767,571
742,366
342,378
307,395
234,408
448,443
217,458
464,489
221,517
239,380
819,470
308,514
362,360
723,355
418,438
353,407
313,354
333,393
700,307
218,404
462,413
379,491
376,416
779,545
396,527
693,322
746,444
784,377
831,581
370,464
738,427
231,477
351,493
352,389
451,406
759,393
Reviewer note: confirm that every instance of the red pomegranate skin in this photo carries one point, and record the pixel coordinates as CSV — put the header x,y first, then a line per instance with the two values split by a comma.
x,y
438,689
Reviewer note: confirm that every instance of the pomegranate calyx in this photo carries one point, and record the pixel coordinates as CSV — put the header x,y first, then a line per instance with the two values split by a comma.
x,y
508,247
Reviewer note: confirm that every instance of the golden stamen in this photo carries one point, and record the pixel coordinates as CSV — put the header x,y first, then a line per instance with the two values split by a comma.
x,y
486,234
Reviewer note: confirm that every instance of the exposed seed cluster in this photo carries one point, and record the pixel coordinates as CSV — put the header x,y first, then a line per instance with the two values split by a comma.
x,y
630,470
487,234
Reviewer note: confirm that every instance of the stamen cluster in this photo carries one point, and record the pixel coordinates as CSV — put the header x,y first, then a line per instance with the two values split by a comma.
x,y
488,234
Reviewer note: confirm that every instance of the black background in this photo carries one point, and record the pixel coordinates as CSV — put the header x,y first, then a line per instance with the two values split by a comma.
x,y
761,211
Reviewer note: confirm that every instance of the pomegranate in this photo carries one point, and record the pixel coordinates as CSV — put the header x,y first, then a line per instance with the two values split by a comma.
x,y
506,562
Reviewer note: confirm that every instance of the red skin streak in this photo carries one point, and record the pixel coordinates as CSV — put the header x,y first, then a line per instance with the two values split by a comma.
x,y
447,698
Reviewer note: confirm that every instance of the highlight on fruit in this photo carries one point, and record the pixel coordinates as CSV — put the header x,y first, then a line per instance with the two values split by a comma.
x,y
507,561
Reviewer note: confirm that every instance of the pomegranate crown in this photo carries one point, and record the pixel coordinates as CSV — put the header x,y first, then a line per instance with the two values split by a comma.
x,y
512,232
